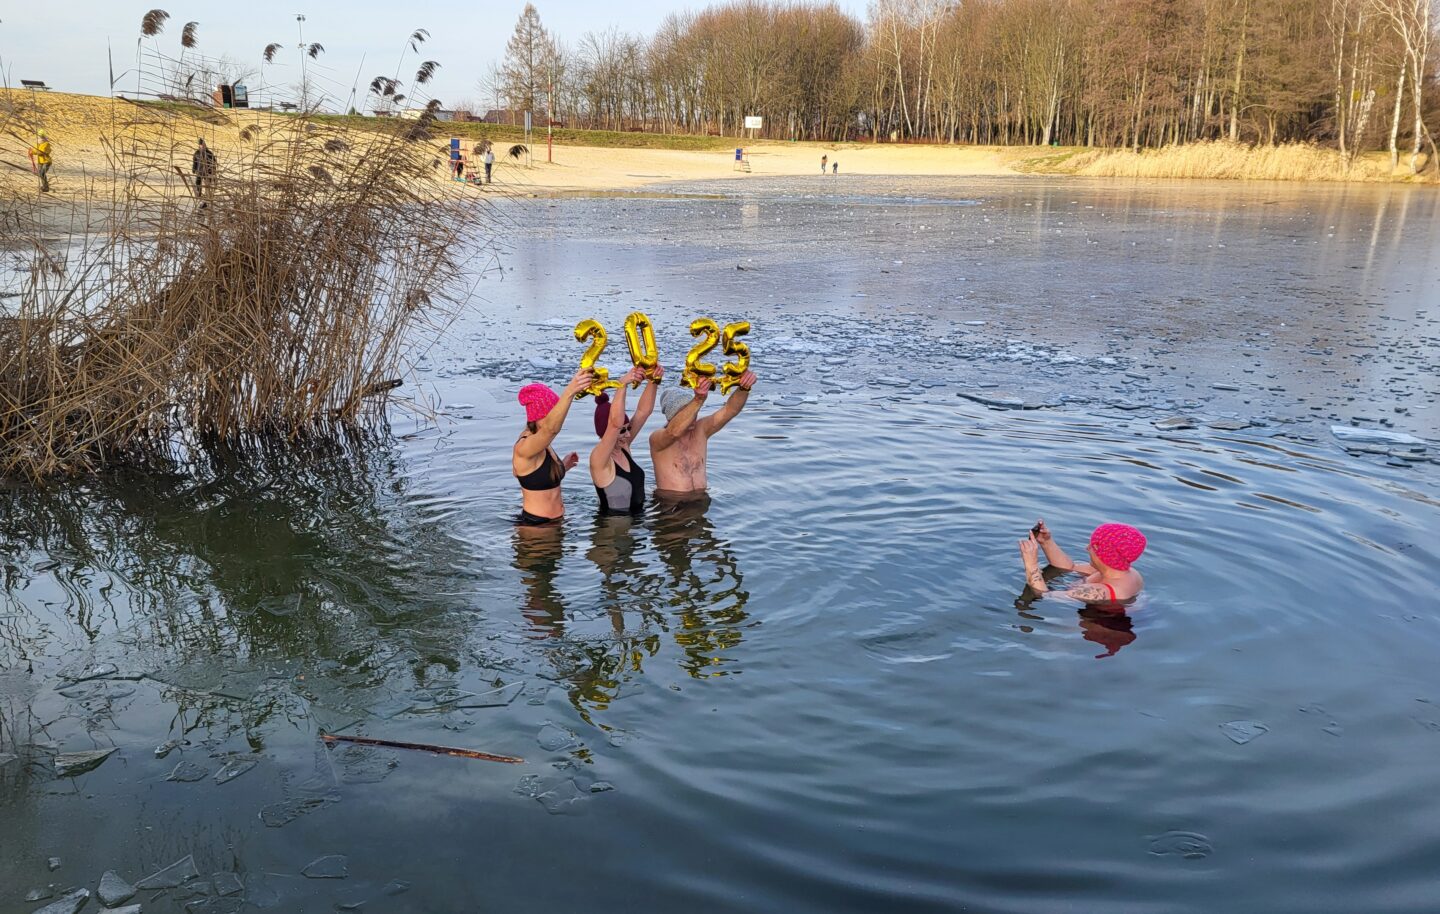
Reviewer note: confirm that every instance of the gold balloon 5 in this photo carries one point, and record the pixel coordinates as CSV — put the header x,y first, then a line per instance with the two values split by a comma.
x,y
731,371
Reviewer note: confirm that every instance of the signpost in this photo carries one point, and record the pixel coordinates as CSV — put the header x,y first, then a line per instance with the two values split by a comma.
x,y
753,123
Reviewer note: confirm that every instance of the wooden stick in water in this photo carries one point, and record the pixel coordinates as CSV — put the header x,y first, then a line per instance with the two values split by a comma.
x,y
423,747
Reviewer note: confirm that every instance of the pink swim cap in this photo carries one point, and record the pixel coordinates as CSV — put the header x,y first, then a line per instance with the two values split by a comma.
x,y
538,400
1117,545
602,414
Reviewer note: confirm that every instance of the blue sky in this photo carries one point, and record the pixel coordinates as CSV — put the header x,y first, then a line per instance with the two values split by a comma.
x,y
64,43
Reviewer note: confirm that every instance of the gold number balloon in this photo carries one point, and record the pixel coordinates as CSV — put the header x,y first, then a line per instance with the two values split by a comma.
x,y
731,371
640,337
592,329
709,331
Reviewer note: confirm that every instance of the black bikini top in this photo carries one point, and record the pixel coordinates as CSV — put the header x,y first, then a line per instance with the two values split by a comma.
x,y
546,476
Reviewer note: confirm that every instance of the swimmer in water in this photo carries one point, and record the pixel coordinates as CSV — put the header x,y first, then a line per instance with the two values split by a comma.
x,y
1109,577
533,461
619,480
680,449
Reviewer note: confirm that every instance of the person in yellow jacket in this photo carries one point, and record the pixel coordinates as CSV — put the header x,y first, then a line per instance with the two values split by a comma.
x,y
40,160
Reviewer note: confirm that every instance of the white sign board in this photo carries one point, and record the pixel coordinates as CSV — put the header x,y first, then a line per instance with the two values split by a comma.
x,y
754,123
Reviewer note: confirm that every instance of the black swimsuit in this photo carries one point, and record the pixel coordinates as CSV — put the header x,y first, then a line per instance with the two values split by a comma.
x,y
546,476
626,492
543,478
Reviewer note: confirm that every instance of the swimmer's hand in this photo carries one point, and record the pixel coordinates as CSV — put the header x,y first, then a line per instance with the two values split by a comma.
x,y
570,460
1030,551
747,380
1029,554
657,374
1041,532
583,379
702,388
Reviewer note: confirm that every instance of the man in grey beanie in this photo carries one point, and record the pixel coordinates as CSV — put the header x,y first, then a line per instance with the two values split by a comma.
x,y
679,450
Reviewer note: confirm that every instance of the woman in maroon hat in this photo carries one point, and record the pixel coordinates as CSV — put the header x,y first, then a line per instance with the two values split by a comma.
x,y
1109,577
619,480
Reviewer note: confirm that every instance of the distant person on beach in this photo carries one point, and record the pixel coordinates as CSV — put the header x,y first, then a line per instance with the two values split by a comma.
x,y
835,168
679,450
1109,577
489,159
40,160
533,461
823,160
619,480
202,165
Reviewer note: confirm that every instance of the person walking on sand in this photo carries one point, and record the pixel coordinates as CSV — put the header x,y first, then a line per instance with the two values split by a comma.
x,y
823,160
489,159
679,450
835,167
40,160
202,165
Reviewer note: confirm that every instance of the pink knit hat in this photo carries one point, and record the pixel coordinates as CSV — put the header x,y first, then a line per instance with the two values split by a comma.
x,y
1117,545
538,400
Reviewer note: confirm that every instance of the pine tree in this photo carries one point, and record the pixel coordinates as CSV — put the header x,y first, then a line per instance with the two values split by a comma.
x,y
531,61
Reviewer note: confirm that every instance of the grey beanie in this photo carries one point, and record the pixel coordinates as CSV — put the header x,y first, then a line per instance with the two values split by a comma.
x,y
672,401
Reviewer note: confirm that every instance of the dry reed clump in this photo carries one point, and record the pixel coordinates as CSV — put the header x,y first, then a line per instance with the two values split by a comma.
x,y
1223,159
277,307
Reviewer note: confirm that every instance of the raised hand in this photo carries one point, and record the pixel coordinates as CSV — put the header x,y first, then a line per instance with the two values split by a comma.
x,y
702,388
1029,549
570,460
657,374
1042,532
634,376
747,380
583,379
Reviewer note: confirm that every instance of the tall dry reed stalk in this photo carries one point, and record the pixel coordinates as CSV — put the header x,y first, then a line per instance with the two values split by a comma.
x,y
146,323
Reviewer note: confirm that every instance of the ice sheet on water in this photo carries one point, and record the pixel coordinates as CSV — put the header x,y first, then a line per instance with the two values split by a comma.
x,y
171,876
188,773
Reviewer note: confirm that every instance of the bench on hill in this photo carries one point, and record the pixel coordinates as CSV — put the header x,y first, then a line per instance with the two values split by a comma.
x,y
34,84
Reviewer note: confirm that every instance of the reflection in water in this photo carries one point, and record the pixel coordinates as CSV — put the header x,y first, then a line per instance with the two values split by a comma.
x,y
538,550
703,581
1106,625
695,591
295,559
1112,629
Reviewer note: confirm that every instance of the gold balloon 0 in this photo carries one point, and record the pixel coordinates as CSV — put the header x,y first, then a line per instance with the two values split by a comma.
x,y
731,371
709,333
594,331
640,337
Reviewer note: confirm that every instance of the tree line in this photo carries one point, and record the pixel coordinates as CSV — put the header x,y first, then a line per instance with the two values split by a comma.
x,y
1358,74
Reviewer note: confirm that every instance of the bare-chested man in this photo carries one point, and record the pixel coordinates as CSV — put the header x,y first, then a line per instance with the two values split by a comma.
x,y
679,449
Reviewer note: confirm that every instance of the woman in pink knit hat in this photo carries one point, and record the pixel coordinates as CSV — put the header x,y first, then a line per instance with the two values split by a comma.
x,y
1109,575
534,462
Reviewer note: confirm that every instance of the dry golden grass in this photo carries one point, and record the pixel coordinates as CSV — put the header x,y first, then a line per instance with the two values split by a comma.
x,y
1221,160
137,324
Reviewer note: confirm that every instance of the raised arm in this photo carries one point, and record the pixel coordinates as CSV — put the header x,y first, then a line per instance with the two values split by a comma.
x,y
601,466
678,426
646,406
547,428
731,409
1054,554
